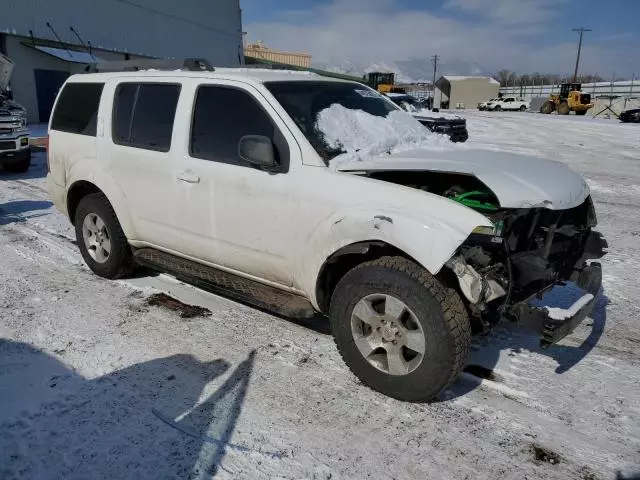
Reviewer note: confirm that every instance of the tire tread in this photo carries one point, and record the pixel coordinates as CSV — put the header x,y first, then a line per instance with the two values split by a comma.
x,y
453,309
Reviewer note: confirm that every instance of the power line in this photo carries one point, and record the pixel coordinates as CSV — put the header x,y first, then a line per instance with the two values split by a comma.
x,y
176,17
581,30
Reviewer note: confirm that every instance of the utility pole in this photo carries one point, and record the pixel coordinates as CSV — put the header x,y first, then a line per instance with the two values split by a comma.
x,y
434,59
581,30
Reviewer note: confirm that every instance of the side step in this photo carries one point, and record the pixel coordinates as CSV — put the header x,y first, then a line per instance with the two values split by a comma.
x,y
227,284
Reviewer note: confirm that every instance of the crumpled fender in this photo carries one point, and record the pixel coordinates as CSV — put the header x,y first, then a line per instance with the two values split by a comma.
x,y
91,171
429,240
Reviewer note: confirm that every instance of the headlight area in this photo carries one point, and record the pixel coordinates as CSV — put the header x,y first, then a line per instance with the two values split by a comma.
x,y
526,252
479,265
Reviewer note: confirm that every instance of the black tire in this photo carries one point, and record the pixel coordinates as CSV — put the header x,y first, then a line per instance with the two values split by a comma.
x,y
497,108
119,263
581,112
21,166
547,107
438,309
523,108
563,108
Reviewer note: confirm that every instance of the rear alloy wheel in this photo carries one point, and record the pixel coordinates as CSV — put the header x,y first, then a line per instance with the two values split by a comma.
x,y
497,108
102,242
563,109
399,330
523,108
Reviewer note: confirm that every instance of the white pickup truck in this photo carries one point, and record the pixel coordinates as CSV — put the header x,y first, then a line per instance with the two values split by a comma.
x,y
304,194
506,103
15,153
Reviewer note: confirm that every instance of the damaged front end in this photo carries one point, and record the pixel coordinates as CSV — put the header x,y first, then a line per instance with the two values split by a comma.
x,y
529,251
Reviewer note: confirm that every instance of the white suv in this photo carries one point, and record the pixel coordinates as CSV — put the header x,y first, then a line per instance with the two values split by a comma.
x,y
507,103
246,182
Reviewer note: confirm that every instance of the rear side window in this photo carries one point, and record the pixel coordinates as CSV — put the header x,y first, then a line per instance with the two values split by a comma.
x,y
77,108
143,115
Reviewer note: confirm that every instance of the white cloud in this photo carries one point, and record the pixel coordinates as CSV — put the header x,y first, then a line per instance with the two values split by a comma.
x,y
354,34
510,12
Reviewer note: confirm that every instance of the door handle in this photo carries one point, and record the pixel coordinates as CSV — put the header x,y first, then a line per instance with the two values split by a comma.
x,y
188,177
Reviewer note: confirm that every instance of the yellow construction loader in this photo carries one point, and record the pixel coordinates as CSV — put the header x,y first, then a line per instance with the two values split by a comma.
x,y
570,99
383,82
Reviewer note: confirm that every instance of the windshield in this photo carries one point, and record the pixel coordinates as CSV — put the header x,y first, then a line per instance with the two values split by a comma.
x,y
407,102
344,117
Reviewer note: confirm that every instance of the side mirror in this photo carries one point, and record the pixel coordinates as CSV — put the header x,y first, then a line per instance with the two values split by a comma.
x,y
258,150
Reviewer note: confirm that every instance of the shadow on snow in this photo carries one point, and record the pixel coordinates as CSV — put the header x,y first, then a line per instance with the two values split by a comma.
x,y
155,419
484,358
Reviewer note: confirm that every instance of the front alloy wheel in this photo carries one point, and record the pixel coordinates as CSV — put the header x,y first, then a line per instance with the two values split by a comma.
x,y
388,334
399,329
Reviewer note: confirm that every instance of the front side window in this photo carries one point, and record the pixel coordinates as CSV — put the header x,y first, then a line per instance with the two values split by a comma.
x,y
77,108
143,115
222,116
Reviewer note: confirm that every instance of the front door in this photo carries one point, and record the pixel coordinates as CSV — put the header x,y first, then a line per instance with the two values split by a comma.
x,y
235,214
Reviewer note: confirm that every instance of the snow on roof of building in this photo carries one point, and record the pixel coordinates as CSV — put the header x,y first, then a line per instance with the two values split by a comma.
x,y
458,78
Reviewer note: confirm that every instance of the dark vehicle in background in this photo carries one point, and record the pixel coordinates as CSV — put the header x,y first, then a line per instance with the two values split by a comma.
x,y
447,124
630,116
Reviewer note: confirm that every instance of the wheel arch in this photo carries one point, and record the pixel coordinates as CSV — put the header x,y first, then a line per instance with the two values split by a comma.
x,y
82,187
340,262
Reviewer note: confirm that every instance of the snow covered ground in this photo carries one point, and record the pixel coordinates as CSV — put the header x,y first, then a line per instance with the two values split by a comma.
x,y
95,383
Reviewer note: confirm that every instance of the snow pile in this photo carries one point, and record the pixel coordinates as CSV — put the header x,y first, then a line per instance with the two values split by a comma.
x,y
564,313
361,135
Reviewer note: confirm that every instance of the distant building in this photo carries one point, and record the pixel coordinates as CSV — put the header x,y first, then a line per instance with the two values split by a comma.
x,y
49,40
464,91
259,51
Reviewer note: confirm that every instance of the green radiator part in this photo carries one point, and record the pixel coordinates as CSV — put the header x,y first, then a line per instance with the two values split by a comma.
x,y
467,200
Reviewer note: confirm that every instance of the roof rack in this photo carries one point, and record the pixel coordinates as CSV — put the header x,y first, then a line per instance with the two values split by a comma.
x,y
190,64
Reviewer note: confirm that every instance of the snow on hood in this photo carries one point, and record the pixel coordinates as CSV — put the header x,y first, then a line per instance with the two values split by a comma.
x,y
518,181
362,135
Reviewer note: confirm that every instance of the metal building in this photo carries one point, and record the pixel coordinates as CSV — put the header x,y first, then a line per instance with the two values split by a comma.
x,y
464,92
259,51
49,40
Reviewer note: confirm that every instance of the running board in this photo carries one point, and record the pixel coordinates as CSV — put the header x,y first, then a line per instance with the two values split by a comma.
x,y
227,284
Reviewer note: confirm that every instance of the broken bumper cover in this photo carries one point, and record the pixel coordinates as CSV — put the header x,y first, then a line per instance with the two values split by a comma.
x,y
553,328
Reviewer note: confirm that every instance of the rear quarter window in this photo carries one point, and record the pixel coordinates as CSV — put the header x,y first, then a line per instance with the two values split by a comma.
x,y
77,108
143,115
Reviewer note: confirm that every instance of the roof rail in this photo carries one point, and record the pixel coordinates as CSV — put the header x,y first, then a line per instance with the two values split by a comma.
x,y
190,64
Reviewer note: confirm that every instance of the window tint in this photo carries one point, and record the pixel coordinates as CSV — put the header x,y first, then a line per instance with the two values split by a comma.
x,y
222,116
77,108
143,115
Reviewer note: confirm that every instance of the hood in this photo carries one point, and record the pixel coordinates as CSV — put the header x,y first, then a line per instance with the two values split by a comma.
x,y
429,115
518,181
6,68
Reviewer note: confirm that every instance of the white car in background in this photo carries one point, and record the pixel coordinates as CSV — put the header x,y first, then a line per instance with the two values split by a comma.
x,y
507,103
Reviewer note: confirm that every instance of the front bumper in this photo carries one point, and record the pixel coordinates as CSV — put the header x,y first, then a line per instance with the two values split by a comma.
x,y
553,327
14,147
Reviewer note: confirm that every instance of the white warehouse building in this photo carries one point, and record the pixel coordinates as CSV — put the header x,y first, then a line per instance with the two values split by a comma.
x,y
50,40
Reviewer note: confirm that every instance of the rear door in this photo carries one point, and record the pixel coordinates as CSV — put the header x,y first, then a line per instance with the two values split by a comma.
x,y
139,149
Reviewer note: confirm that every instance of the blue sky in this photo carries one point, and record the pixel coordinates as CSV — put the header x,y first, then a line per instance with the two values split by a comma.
x,y
472,36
